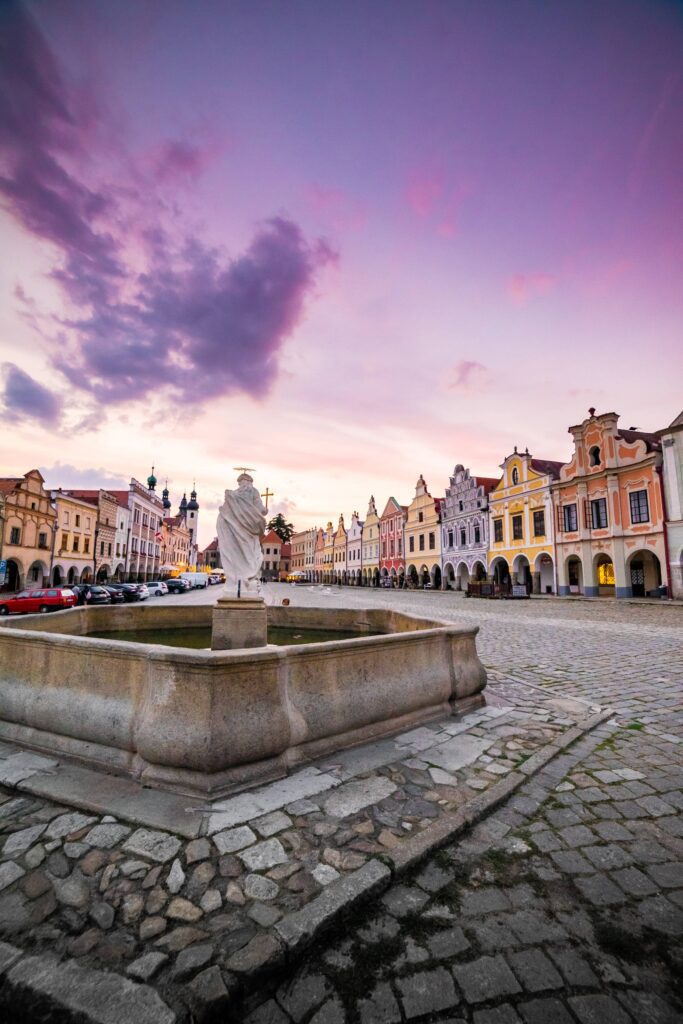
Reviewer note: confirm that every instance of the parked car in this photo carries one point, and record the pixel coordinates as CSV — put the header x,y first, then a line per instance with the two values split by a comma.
x,y
91,593
196,579
116,595
157,588
37,601
129,591
176,585
142,591
216,577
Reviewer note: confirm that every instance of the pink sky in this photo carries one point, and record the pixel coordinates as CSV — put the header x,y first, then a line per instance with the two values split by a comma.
x,y
344,244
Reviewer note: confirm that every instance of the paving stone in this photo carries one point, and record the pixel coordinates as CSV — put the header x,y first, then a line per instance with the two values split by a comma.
x,y
268,1013
66,824
658,913
234,839
9,873
380,1007
649,1008
305,993
575,969
571,862
106,836
607,858
484,901
191,960
600,891
634,882
198,849
102,914
353,796
175,878
667,876
264,855
151,927
401,900
611,831
489,977
264,914
158,846
208,991
146,966
598,1009
493,934
180,909
258,888
447,943
546,1011
546,841
577,835
504,1014
73,891
324,874
18,842
261,950
331,1012
181,937
100,997
270,824
379,929
427,992
534,970
211,901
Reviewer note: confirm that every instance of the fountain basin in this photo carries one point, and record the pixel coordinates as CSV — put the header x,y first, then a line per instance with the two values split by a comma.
x,y
213,722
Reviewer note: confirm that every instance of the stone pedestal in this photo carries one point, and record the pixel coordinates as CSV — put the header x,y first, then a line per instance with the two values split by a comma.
x,y
239,622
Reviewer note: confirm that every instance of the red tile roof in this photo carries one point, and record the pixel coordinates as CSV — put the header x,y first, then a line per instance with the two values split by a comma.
x,y
9,483
651,440
285,550
271,538
487,482
547,467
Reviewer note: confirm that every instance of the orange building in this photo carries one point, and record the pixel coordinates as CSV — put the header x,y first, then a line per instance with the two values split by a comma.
x,y
609,523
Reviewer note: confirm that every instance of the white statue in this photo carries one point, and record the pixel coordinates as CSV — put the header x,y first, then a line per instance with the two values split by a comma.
x,y
241,523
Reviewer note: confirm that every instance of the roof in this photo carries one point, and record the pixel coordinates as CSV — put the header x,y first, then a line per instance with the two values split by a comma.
x,y
92,497
285,550
9,483
213,546
487,482
630,436
271,538
547,467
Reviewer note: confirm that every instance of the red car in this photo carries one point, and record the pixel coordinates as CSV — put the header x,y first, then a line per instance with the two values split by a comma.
x,y
37,601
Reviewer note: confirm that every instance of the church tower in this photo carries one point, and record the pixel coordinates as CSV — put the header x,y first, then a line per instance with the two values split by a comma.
x,y
192,521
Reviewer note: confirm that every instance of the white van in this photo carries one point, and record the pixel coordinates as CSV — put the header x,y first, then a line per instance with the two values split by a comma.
x,y
195,579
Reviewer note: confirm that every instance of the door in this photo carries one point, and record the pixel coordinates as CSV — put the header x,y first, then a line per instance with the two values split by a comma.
x,y
637,579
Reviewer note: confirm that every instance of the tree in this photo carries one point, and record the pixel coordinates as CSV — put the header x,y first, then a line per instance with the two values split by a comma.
x,y
281,527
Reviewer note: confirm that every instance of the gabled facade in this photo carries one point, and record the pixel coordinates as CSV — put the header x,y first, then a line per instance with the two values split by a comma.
x,y
271,545
27,531
423,538
285,560
76,538
328,553
608,512
101,547
354,553
465,528
211,556
392,564
146,518
319,556
672,478
339,552
371,547
521,534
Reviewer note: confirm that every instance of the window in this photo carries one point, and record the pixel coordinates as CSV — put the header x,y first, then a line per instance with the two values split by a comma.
x,y
515,475
109,549
517,531
420,517
422,542
498,530
450,538
411,544
606,574
15,535
460,506
640,512
400,551
432,541
599,513
78,520
594,456
477,535
74,546
569,520
101,548
539,523
463,538
136,516
42,540
66,518
87,523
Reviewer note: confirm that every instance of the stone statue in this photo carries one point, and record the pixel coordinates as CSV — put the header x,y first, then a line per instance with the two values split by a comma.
x,y
241,523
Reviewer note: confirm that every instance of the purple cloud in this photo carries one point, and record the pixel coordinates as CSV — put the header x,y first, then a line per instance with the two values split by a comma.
x,y
63,474
24,398
466,374
152,312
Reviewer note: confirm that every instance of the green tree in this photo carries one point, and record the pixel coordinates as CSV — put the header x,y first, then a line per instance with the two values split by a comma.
x,y
279,525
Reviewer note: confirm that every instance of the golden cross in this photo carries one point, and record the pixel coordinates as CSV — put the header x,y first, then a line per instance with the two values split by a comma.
x,y
267,494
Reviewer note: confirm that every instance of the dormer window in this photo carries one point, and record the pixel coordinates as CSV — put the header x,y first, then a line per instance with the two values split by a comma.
x,y
515,475
595,457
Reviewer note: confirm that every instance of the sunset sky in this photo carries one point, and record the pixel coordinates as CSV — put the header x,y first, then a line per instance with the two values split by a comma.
x,y
343,243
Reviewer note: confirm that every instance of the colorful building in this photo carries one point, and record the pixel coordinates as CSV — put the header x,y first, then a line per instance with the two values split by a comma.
x,y
672,477
146,517
371,542
285,560
339,552
423,538
319,556
100,547
211,556
328,553
608,512
176,545
354,556
28,525
74,553
521,534
271,544
465,528
392,565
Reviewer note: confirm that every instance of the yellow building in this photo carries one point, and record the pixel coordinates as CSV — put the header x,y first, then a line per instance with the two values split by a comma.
x,y
521,526
423,539
74,551
370,558
339,552
27,526
328,553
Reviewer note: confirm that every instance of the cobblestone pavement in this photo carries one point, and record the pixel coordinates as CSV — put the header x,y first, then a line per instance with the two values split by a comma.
x,y
567,904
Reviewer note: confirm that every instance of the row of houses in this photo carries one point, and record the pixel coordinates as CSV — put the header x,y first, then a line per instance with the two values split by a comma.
x,y
277,557
64,535
607,522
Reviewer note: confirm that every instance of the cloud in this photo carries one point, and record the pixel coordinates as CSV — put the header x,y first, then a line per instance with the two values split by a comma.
x,y
23,398
61,474
523,287
150,309
466,375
